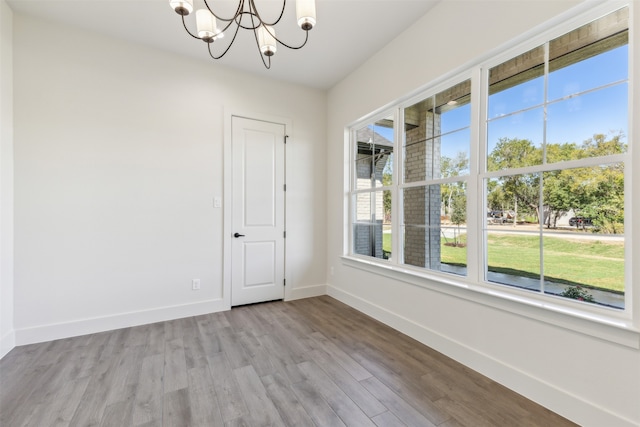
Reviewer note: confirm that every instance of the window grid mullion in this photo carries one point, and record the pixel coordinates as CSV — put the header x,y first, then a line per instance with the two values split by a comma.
x,y
544,161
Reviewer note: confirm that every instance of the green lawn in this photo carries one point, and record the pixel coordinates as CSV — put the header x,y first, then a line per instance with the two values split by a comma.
x,y
591,263
386,242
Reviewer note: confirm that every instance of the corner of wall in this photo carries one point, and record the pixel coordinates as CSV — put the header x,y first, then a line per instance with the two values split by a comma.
x,y
7,333
7,343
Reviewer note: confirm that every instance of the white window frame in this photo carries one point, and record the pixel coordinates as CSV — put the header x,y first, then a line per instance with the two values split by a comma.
x,y
617,325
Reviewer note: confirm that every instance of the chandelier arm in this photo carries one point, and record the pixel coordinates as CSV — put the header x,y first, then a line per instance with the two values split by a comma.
x,y
229,25
252,6
184,24
306,39
227,49
238,11
253,15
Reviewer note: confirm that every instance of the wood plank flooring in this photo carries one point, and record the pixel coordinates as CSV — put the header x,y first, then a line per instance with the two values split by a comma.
x,y
308,362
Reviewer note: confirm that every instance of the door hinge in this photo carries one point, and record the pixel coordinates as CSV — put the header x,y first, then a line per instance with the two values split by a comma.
x,y
284,234
285,187
285,138
284,282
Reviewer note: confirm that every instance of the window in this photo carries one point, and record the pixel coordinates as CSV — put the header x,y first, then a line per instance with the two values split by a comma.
x,y
541,174
436,163
371,188
556,135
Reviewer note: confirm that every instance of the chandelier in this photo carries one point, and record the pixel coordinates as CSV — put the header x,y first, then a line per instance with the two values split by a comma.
x,y
246,17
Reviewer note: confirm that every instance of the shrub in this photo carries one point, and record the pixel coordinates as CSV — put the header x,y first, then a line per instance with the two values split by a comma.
x,y
577,292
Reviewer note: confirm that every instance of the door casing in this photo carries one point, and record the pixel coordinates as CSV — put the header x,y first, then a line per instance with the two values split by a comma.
x,y
227,237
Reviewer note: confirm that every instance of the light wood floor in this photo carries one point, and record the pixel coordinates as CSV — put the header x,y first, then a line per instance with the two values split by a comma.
x,y
307,362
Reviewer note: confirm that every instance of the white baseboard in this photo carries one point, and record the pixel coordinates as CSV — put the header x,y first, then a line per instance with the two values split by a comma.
x,y
306,292
123,320
560,401
7,342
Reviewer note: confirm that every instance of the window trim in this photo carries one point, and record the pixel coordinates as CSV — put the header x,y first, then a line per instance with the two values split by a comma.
x,y
543,308
620,326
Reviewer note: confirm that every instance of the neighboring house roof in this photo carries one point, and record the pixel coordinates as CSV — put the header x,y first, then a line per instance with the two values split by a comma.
x,y
367,135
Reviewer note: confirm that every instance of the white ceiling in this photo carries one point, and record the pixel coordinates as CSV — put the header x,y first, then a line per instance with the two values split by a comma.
x,y
347,31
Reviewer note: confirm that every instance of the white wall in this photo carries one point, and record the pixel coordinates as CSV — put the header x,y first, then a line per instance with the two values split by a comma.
x,y
590,380
118,155
7,336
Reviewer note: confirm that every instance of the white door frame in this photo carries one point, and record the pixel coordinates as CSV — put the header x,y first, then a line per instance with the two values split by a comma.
x,y
227,231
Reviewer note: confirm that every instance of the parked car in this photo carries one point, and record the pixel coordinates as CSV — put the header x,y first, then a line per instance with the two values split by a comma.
x,y
580,221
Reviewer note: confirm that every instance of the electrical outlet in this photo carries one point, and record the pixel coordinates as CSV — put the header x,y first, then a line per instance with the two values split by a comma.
x,y
195,284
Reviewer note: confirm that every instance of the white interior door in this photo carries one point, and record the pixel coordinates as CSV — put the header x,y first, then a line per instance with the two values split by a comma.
x,y
258,221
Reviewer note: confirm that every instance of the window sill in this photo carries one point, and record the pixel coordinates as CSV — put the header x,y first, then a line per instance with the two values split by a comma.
x,y
545,309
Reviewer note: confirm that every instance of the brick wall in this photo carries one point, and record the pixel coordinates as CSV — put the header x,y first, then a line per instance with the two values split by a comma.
x,y
422,204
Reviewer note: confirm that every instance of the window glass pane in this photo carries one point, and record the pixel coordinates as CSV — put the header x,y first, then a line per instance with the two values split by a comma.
x,y
364,150
513,258
584,234
513,199
590,73
384,138
420,149
454,160
453,222
586,199
372,218
374,155
419,159
590,56
435,128
362,207
515,141
364,166
422,226
584,266
435,218
415,200
453,108
516,84
362,227
386,224
584,117
383,167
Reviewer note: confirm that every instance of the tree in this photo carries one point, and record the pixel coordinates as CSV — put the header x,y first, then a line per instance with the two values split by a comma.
x,y
459,215
599,145
598,191
386,197
511,153
452,167
558,195
387,180
558,198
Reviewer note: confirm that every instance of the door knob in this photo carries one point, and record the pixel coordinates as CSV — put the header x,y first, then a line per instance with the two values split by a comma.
x,y
236,235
